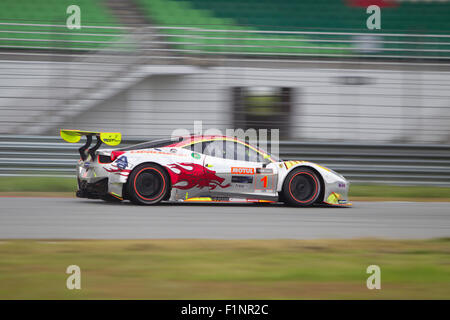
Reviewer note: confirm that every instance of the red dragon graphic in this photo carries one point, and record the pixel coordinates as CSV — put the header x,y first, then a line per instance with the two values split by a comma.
x,y
197,176
117,170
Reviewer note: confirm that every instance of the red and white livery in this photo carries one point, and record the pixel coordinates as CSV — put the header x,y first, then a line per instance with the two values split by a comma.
x,y
200,168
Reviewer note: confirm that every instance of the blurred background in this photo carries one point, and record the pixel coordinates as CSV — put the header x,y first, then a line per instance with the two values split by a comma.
x,y
372,104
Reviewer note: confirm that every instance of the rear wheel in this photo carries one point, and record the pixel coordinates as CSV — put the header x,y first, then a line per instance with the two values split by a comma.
x,y
147,184
301,188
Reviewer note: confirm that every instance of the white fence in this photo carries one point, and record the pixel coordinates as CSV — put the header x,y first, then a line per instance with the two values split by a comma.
x,y
148,81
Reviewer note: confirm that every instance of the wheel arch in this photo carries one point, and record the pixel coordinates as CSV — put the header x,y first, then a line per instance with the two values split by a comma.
x,y
163,168
319,176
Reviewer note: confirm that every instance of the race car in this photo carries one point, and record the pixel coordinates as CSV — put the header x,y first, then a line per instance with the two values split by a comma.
x,y
199,168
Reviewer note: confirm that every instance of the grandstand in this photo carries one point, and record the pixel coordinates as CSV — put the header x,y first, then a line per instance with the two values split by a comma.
x,y
251,27
245,26
145,66
323,15
31,24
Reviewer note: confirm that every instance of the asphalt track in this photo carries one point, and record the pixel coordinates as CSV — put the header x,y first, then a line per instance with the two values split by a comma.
x,y
70,218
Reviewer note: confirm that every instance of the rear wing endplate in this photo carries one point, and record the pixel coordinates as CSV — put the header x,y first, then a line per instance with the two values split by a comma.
x,y
73,136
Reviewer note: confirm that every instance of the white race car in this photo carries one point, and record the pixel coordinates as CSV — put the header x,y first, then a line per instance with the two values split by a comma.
x,y
199,168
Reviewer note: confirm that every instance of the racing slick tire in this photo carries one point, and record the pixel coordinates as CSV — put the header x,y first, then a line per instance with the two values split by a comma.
x,y
148,184
301,188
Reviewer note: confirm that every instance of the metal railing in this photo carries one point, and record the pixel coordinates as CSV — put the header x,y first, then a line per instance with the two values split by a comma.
x,y
43,88
414,164
217,41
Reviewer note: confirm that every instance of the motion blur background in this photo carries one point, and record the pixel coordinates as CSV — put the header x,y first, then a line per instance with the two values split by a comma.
x,y
372,104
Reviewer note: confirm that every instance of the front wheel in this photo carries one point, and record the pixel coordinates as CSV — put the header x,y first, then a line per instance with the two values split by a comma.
x,y
301,187
147,184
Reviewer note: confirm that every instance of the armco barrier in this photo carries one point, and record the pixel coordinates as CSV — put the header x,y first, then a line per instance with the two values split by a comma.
x,y
362,163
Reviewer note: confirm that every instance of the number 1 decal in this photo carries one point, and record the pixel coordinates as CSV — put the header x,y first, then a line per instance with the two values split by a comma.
x,y
264,179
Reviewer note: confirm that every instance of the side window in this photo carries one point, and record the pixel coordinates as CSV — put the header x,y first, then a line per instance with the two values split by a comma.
x,y
198,147
215,149
221,149
257,156
244,153
231,150
189,147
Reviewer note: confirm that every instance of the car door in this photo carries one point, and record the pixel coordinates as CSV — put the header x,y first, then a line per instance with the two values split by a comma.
x,y
231,170
265,175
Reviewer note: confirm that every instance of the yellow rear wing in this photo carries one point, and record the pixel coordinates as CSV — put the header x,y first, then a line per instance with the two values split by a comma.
x,y
73,136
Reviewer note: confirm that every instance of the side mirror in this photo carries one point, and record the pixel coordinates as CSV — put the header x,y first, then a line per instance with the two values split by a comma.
x,y
266,157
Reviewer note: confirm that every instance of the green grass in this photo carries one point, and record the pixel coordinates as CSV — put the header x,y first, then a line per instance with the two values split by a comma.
x,y
37,184
225,269
24,185
399,192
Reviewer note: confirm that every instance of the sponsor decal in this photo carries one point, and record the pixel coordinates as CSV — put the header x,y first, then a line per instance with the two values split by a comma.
x,y
86,165
264,170
241,179
199,199
341,185
333,198
220,198
326,169
195,155
156,152
173,150
191,175
119,167
242,186
290,164
122,162
252,200
242,170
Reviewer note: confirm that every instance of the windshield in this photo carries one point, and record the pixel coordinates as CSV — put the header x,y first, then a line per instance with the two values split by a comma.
x,y
272,156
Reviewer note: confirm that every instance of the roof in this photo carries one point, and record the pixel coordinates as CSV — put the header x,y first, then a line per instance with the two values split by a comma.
x,y
197,138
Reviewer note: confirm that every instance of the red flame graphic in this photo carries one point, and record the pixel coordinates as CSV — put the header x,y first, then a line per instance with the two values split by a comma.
x,y
197,176
122,172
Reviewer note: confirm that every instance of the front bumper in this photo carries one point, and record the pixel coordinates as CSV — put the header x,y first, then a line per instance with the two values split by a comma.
x,y
335,199
336,193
